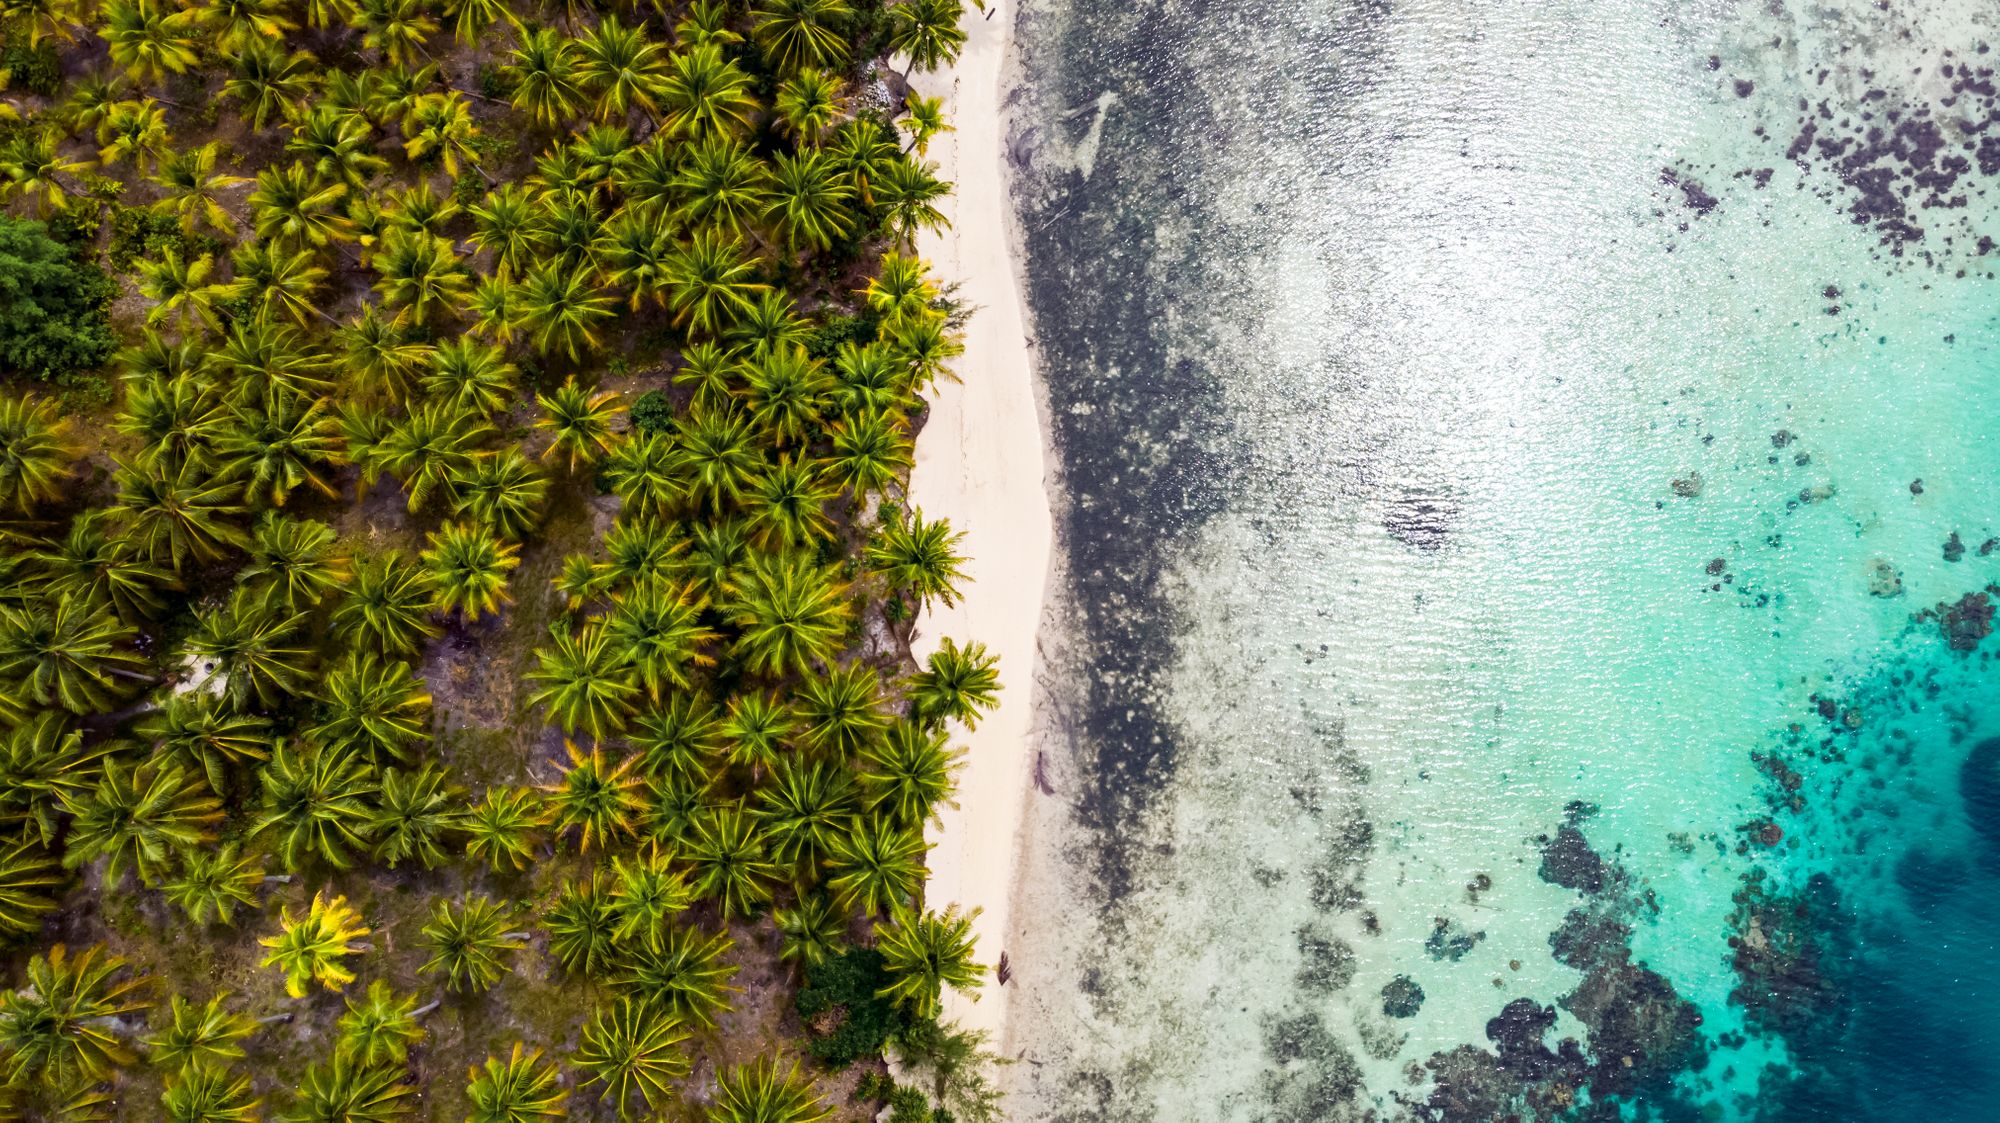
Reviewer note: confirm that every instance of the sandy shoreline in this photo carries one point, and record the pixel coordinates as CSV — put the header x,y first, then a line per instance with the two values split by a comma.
x,y
980,462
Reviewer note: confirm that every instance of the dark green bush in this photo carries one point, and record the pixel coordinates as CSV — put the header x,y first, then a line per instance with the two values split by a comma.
x,y
857,1021
653,412
824,341
138,232
36,69
909,1105
54,307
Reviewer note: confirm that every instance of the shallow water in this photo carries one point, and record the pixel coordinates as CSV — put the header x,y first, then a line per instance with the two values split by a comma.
x,y
1470,421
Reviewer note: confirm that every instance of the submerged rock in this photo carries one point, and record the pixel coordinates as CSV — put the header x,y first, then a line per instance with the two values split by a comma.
x,y
1402,997
1884,579
1449,940
1688,486
1568,861
1968,621
1954,548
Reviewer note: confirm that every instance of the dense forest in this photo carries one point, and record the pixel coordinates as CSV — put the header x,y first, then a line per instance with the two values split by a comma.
x,y
455,590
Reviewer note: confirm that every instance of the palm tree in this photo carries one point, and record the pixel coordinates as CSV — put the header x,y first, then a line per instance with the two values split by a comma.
x,y
34,166
42,19
336,146
871,451
728,862
469,943
561,308
919,557
908,772
435,446
381,357
35,452
601,801
267,82
908,193
292,560
397,28
572,223
440,126
413,812
212,884
771,325
706,95
812,930
59,1029
680,740
150,40
587,682
635,253
349,1091
722,187
711,283
805,809
711,369
787,503
506,224
680,972
379,1029
501,828
192,189
250,642
796,33
374,708
199,1035
720,457
925,342
471,376
267,356
927,31
924,120
784,392
206,1093
648,893
807,103
176,416
901,286
140,815
706,22
233,23
757,729
43,762
178,514
135,131
957,683
639,552
547,83
759,1093
420,272
808,198
630,1049
316,803
679,798
792,614
660,632
621,68
519,1089
29,877
644,470
312,947
65,652
836,712
471,18
299,206
505,491
277,444
579,420
386,605
581,923
925,952
875,866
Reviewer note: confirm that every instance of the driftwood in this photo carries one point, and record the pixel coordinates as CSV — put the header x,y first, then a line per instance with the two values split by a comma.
x,y
1005,971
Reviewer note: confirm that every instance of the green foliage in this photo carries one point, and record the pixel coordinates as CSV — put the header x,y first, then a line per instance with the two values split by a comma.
x,y
36,69
842,1005
653,412
54,318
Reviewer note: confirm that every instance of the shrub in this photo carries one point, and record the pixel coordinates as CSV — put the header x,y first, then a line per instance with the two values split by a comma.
x,y
138,232
908,1105
54,308
653,412
839,1004
35,69
824,341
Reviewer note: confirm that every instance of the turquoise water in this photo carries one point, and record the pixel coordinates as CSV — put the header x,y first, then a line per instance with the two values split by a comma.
x,y
1434,465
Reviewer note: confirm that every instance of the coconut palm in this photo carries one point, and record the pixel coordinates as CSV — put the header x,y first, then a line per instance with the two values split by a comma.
x,y
272,279
181,290
29,879
36,20
784,391
397,28
681,973
351,1091
470,567
572,223
433,448
336,146
919,557
787,503
139,815
924,119
381,357
586,681
908,193
760,1093
440,127
315,803
469,943
268,83
379,1028
206,1093
710,369
43,762
179,514
804,809
705,94
548,84
386,605
35,452
927,32
771,325
924,953
809,198
65,652
908,772
213,883
413,813
506,224
579,421
635,253
251,642
581,924
631,1051
639,552
205,734
60,1028
836,712
871,452
299,206
199,1035
796,33
711,283
875,866
791,613
176,416
808,102
719,458
421,273
471,376
647,892
471,18
503,490
680,740
728,863
314,946
502,827
660,632
957,683
601,801
757,731
644,470
561,308
721,186
925,342
374,708
278,444
520,1089
901,286
150,40
267,356
232,23
812,930
292,561
620,68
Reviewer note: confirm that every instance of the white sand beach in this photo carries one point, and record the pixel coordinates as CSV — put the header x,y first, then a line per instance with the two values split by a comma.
x,y
980,463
